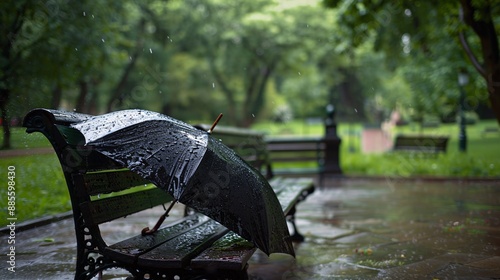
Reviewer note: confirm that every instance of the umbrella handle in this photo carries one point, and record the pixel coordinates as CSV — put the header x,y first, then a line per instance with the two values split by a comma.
x,y
215,123
147,231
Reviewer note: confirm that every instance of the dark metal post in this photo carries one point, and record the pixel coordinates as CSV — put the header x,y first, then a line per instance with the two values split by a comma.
x,y
332,143
463,79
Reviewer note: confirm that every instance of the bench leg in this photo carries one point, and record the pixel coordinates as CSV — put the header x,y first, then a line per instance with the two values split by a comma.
x,y
296,236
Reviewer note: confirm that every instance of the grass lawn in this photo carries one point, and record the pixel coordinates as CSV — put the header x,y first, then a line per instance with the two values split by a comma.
x,y
41,189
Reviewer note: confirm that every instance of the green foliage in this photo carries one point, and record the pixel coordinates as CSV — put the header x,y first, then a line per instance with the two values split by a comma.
x,y
420,43
251,60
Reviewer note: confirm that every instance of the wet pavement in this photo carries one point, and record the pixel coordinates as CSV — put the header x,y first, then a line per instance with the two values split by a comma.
x,y
354,229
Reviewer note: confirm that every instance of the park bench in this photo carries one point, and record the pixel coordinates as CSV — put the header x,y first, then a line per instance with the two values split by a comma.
x,y
427,144
493,130
102,191
302,150
306,153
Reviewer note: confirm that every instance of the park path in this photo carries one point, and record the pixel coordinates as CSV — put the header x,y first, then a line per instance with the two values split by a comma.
x,y
25,152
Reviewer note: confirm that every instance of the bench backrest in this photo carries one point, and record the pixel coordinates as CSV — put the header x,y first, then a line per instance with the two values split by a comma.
x,y
100,189
247,143
297,149
436,143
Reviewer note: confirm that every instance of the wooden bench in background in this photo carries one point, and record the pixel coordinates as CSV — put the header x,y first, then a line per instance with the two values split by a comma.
x,y
101,191
265,153
290,156
491,130
306,151
427,144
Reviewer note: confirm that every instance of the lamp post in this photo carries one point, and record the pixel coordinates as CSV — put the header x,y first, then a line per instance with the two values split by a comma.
x,y
332,143
463,80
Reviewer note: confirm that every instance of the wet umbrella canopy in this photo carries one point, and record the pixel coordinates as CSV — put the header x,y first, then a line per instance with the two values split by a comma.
x,y
196,169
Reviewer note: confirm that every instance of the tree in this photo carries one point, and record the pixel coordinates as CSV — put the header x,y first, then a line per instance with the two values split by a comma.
x,y
247,45
409,26
479,16
18,35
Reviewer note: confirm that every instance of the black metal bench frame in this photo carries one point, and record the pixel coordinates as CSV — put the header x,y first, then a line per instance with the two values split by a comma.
x,y
91,177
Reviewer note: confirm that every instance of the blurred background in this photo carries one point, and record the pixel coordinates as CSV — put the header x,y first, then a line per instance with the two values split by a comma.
x,y
429,67
254,61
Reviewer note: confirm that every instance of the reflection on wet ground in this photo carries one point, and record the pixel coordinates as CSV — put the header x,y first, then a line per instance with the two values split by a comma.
x,y
395,230
355,229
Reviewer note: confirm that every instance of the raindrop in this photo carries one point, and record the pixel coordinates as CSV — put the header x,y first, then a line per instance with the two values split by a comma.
x,y
76,49
102,39
299,74
213,85
253,115
355,110
150,50
84,14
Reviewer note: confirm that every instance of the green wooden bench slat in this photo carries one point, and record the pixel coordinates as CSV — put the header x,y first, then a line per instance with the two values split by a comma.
x,y
111,181
420,143
230,252
294,158
295,187
108,209
295,147
276,184
71,135
128,250
177,252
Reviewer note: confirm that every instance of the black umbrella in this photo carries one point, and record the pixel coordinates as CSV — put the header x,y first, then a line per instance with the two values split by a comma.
x,y
196,169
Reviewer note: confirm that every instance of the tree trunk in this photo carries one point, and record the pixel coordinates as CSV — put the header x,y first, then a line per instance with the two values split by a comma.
x,y
56,97
479,18
256,93
4,97
228,93
120,86
92,105
494,94
82,97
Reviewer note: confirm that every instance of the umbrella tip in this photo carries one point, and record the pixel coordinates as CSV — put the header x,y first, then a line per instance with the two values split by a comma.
x,y
215,123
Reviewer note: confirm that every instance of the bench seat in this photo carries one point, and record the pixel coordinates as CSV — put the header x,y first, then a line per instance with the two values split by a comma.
x,y
197,242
